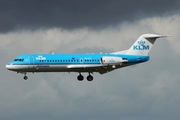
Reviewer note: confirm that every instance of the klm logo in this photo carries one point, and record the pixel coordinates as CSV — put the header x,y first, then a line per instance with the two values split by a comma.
x,y
40,58
112,61
141,46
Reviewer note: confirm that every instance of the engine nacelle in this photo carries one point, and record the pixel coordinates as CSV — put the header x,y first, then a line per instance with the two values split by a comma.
x,y
112,60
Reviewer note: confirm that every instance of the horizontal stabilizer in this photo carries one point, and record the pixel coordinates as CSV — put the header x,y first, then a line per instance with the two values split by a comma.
x,y
154,36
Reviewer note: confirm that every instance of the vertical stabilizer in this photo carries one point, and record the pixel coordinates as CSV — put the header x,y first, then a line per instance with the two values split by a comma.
x,y
143,44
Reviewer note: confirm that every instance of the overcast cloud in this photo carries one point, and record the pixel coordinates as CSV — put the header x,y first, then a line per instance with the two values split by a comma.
x,y
73,14
146,91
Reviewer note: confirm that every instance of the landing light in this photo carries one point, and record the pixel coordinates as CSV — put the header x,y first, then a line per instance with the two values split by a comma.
x,y
113,66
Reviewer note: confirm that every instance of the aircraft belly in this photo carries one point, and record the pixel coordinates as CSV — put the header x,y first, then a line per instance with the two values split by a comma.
x,y
54,68
48,68
59,68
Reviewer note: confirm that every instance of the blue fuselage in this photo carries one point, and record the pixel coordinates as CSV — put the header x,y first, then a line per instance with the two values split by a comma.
x,y
71,62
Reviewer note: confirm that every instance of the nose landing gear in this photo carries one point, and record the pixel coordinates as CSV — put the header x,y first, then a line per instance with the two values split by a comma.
x,y
25,77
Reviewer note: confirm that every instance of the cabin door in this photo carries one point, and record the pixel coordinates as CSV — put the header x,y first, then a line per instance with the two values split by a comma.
x,y
81,60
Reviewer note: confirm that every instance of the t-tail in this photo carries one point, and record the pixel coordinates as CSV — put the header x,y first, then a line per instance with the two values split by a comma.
x,y
143,44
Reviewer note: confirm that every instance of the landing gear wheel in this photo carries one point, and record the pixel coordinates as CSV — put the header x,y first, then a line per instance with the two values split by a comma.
x,y
25,77
89,78
80,78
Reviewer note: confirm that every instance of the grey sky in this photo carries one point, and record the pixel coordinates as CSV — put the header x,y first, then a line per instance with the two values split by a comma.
x,y
146,91
72,14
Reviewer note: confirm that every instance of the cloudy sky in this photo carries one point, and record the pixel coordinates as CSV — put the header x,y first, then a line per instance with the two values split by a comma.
x,y
146,91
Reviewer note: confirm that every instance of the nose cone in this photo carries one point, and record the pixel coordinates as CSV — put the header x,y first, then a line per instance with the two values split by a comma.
x,y
15,67
9,67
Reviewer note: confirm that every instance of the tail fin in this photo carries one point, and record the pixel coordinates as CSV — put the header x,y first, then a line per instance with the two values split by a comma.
x,y
143,44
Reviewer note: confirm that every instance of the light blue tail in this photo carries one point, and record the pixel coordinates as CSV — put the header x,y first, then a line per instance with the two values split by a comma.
x,y
143,44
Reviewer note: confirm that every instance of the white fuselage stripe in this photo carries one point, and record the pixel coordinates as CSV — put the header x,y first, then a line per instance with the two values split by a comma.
x,y
47,68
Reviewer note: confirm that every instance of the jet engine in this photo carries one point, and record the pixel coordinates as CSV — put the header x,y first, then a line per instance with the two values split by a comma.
x,y
112,60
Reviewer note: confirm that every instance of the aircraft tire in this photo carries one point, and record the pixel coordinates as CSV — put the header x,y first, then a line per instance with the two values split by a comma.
x,y
90,78
25,77
80,78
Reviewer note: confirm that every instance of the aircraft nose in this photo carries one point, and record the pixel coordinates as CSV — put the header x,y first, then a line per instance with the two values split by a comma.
x,y
9,67
13,67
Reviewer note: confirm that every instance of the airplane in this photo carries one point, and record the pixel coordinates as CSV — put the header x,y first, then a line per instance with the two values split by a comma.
x,y
89,63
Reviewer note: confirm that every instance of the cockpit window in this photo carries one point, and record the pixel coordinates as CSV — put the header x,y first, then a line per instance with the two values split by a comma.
x,y
16,60
21,60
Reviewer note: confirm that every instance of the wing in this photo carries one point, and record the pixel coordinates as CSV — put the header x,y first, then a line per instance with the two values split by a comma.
x,y
92,68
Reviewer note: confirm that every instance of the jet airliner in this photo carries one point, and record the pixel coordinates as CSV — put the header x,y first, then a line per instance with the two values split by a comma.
x,y
89,63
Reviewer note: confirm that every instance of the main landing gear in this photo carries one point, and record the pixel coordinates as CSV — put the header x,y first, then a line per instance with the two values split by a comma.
x,y
80,77
89,77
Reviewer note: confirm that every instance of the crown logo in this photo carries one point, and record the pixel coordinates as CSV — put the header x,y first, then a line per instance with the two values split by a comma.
x,y
141,42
